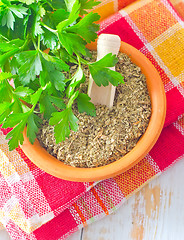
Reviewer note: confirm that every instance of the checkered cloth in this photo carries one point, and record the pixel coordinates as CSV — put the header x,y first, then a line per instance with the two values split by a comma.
x,y
37,206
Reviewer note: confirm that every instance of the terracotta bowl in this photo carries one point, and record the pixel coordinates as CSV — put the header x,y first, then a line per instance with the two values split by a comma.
x,y
51,165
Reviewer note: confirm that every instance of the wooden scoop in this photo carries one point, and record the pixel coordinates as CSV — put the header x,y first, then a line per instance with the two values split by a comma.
x,y
107,43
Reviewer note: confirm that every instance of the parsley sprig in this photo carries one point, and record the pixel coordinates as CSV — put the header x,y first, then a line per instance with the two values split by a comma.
x,y
39,42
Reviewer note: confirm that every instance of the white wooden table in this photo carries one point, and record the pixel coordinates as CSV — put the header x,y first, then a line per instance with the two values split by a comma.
x,y
154,213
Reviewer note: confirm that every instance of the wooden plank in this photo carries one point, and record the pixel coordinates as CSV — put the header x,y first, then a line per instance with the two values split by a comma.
x,y
156,212
75,236
4,235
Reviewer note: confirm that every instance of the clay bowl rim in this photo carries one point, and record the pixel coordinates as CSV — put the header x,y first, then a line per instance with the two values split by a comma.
x,y
41,158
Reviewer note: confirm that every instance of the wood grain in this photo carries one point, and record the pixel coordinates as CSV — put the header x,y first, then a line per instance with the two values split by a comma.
x,y
75,236
4,235
156,212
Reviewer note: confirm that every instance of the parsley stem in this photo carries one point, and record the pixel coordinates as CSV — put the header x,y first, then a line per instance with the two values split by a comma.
x,y
38,42
83,61
78,58
25,43
48,28
4,37
69,74
47,2
34,43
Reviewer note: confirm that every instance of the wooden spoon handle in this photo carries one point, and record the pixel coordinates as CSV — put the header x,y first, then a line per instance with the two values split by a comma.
x,y
107,43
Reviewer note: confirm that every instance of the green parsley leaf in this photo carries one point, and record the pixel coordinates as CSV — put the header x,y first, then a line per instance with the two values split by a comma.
x,y
15,136
41,11
33,123
4,106
23,91
5,75
36,19
8,19
6,47
18,120
60,15
51,73
58,63
28,2
5,57
57,4
47,105
4,114
58,81
75,80
102,75
9,12
11,45
86,27
38,28
17,42
58,102
74,14
108,60
16,32
72,43
73,121
17,105
50,39
86,5
24,56
36,96
84,104
14,66
14,119
69,4
31,66
5,2
6,91
18,10
63,121
5,109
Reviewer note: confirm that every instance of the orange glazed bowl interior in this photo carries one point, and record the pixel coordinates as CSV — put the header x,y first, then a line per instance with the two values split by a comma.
x,y
40,157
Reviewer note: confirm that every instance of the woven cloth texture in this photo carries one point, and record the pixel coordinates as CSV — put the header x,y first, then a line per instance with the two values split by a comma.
x,y
35,205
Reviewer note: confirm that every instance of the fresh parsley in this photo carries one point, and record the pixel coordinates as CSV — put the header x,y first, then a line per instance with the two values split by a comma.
x,y
39,42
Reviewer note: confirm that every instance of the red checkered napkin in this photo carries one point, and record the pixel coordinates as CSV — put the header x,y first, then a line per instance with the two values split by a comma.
x,y
35,205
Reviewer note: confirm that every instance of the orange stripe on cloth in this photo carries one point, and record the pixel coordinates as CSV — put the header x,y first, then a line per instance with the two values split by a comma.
x,y
91,184
151,25
100,201
180,8
181,121
105,10
80,214
132,179
124,3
